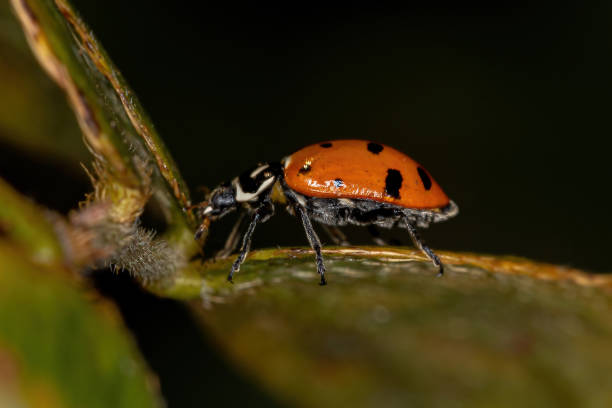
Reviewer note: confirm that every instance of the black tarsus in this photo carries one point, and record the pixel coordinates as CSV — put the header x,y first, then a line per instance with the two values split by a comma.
x,y
314,241
424,248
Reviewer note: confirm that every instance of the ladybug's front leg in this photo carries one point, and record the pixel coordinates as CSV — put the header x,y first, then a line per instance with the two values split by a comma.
x,y
261,214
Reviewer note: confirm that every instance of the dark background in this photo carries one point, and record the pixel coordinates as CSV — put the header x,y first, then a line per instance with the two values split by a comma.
x,y
507,106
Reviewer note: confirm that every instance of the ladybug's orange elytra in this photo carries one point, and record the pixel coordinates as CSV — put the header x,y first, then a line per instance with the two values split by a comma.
x,y
359,169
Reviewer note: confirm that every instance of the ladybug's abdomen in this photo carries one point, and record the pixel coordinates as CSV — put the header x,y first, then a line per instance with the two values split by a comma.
x,y
360,169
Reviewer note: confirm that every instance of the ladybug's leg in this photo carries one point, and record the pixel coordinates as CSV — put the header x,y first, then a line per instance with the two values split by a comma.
x,y
375,233
315,243
424,248
261,214
233,239
337,236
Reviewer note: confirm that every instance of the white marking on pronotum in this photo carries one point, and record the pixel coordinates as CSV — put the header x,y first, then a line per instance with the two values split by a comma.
x,y
258,170
241,196
286,161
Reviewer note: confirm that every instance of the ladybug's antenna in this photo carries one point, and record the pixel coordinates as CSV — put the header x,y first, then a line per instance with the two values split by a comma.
x,y
203,204
202,228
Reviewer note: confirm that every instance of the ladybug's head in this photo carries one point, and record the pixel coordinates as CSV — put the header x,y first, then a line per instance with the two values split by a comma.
x,y
249,188
221,201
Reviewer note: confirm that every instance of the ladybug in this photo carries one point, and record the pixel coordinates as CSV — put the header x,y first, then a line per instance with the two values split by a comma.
x,y
334,183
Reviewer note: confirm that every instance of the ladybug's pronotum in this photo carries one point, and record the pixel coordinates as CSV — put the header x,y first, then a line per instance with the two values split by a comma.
x,y
335,183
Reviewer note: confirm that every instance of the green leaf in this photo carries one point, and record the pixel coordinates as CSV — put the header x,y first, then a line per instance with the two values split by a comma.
x,y
132,161
385,331
60,349
25,225
34,115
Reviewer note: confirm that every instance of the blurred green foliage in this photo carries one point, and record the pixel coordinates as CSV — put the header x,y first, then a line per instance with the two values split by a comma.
x,y
67,346
385,332
34,115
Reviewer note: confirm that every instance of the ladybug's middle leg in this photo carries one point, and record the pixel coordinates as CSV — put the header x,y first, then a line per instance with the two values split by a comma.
x,y
424,248
314,241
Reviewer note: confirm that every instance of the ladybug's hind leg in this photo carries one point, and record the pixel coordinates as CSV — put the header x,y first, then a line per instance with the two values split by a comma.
x,y
378,240
338,237
315,243
424,248
375,233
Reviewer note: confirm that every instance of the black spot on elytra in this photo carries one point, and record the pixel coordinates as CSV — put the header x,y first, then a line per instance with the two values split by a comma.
x,y
375,148
424,178
393,183
326,145
338,182
305,169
